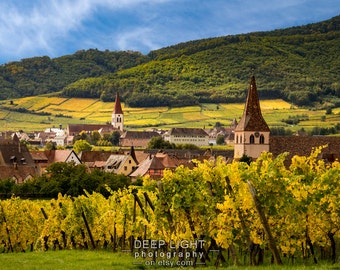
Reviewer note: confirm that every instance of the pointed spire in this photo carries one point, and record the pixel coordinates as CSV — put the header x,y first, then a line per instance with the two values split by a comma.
x,y
132,153
118,107
252,119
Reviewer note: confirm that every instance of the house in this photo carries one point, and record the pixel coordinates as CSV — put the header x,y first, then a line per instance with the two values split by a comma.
x,y
122,163
137,138
95,159
16,161
158,160
151,166
45,158
196,136
226,132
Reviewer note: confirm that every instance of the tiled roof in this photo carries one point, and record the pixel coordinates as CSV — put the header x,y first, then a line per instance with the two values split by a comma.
x,y
118,107
88,156
252,119
58,155
167,161
73,129
137,138
187,132
39,156
140,134
14,151
302,145
20,173
16,161
150,163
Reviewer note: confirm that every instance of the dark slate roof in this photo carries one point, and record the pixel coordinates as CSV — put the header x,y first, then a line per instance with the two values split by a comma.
x,y
252,119
16,161
139,135
14,151
187,132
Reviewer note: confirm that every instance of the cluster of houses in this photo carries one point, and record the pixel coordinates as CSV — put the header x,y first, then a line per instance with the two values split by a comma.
x,y
250,137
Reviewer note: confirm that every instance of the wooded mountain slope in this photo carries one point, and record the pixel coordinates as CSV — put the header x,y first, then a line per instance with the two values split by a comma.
x,y
299,64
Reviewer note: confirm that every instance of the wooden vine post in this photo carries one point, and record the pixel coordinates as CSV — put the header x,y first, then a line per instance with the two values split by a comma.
x,y
264,222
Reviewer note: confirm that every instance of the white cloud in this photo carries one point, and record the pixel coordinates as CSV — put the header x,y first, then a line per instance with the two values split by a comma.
x,y
42,25
58,27
136,39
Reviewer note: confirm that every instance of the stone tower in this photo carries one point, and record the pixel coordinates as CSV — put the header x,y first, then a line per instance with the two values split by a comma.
x,y
252,132
118,115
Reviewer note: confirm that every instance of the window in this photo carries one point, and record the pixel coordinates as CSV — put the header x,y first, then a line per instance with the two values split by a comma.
x,y
252,139
261,139
236,138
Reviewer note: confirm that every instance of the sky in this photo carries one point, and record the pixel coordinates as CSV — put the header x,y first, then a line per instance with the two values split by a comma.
x,y
30,28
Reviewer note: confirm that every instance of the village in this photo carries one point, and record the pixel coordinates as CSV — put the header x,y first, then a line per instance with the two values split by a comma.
x,y
249,137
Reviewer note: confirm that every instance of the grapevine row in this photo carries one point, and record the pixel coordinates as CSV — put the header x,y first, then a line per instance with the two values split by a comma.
x,y
247,210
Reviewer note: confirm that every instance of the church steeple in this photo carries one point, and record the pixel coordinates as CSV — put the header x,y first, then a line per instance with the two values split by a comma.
x,y
117,114
252,118
252,132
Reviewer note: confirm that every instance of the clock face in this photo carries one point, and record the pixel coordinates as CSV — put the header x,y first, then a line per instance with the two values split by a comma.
x,y
257,134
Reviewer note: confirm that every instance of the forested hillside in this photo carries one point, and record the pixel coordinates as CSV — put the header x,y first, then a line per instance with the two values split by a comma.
x,y
299,64
41,75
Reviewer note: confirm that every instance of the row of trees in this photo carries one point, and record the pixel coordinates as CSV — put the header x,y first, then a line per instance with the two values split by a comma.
x,y
65,178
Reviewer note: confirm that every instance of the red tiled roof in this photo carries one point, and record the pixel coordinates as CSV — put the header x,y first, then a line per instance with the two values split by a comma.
x,y
150,163
118,107
90,156
303,145
39,156
252,119
73,129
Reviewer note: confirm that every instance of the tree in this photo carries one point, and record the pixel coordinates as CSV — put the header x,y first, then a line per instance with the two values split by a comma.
x,y
159,143
95,137
329,110
81,145
6,185
114,138
220,140
50,146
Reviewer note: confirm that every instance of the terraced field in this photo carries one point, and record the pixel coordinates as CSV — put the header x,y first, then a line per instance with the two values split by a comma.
x,y
61,111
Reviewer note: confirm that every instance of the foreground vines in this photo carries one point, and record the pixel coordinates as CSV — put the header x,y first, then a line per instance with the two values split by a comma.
x,y
246,209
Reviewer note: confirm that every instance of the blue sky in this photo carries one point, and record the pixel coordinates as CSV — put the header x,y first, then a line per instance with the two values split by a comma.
x,y
30,28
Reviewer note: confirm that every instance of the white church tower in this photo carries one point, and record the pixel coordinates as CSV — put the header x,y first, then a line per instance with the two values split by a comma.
x,y
252,132
118,115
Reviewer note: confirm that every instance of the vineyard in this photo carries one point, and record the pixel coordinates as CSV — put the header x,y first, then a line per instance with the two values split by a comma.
x,y
245,214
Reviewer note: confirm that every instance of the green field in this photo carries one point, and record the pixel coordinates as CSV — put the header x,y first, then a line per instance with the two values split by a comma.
x,y
93,260
88,111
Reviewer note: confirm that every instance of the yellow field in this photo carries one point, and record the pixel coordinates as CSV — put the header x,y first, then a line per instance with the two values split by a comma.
x,y
88,111
39,103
